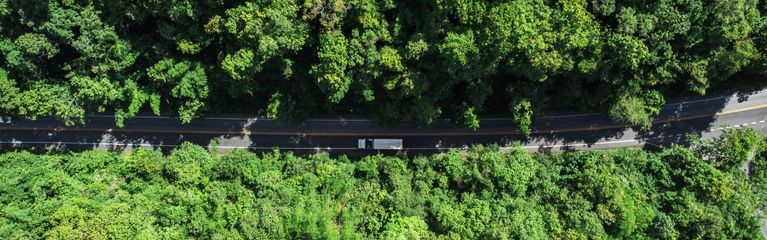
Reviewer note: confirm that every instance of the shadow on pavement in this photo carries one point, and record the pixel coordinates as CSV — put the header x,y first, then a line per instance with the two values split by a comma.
x,y
587,131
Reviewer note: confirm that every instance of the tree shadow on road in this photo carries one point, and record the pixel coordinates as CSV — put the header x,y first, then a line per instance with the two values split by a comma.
x,y
583,132
676,120
674,129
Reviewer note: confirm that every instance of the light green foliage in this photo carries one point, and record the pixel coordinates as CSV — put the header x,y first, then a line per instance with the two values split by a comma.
x,y
407,228
101,50
466,116
36,45
758,177
637,110
238,62
631,52
265,30
136,98
631,109
9,93
416,48
45,99
100,91
743,145
523,116
482,193
143,163
391,60
331,72
188,85
188,166
460,49
85,50
468,12
4,9
522,33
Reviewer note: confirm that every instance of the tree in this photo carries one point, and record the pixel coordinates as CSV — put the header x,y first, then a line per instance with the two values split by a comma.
x,y
188,83
636,110
9,93
331,72
264,31
732,150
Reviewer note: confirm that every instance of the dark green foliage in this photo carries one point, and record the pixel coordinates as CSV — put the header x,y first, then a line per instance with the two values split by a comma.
x,y
482,193
389,60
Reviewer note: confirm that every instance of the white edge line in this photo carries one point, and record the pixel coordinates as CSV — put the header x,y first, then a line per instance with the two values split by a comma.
x,y
298,148
168,145
321,119
582,144
237,118
699,100
565,116
369,120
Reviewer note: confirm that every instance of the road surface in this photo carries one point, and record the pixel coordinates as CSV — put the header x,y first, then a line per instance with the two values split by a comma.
x,y
705,116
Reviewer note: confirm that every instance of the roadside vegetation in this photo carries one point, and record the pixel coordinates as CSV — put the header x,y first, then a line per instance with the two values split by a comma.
x,y
700,192
388,60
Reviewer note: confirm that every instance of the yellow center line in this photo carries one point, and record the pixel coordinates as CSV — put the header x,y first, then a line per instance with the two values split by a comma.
x,y
668,120
741,109
467,133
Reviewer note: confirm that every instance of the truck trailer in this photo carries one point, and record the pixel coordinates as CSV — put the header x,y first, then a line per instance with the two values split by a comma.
x,y
379,143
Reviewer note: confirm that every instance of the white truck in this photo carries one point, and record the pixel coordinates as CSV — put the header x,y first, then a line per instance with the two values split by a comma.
x,y
379,143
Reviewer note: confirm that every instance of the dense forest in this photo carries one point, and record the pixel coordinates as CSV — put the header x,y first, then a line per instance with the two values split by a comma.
x,y
389,60
715,189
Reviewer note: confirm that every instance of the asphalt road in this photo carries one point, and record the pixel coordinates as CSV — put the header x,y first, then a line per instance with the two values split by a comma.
x,y
705,116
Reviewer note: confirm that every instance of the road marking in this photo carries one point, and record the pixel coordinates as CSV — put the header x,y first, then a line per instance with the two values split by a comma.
x,y
581,144
150,145
654,122
257,118
697,101
263,118
373,134
566,116
171,145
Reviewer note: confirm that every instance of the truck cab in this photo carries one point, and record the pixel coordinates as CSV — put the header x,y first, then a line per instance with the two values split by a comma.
x,y
363,143
379,143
